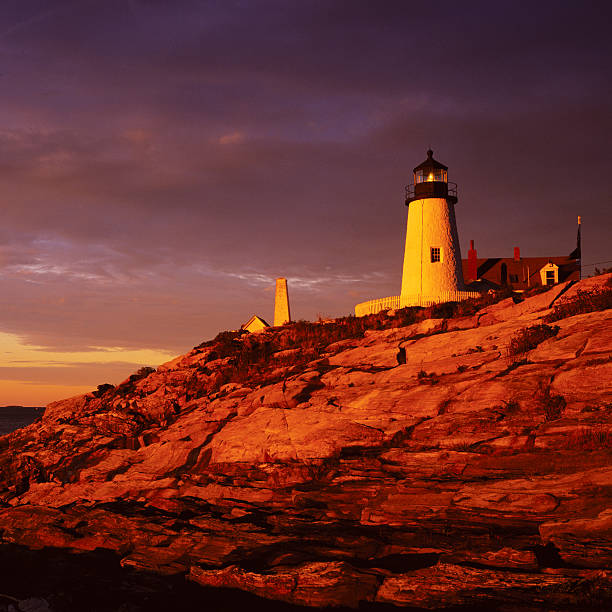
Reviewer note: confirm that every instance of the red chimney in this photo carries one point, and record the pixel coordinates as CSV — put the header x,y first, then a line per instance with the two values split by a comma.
x,y
472,263
517,254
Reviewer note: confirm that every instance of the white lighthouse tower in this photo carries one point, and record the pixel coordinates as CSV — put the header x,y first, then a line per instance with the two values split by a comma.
x,y
432,257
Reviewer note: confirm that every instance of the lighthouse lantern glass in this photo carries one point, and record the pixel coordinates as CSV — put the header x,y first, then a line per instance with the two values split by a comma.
x,y
430,176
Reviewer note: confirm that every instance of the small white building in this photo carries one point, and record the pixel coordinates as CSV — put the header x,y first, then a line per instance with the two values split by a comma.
x,y
549,274
255,324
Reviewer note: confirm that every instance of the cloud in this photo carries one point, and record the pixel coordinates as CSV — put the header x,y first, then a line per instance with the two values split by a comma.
x,y
15,352
232,138
320,282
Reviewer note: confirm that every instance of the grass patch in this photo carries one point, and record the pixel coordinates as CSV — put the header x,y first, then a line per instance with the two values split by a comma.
x,y
529,338
590,438
581,303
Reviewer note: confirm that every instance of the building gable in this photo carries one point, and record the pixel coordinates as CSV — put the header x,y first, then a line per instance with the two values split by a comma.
x,y
255,324
524,272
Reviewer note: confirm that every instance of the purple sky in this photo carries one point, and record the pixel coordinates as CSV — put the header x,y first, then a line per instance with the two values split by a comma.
x,y
162,162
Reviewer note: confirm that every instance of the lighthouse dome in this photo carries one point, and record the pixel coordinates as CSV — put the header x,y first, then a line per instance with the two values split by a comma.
x,y
430,170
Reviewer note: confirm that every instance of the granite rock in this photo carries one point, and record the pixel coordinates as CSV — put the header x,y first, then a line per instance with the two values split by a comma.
x,y
340,473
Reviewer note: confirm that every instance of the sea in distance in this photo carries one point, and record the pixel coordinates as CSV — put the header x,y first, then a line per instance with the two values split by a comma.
x,y
15,417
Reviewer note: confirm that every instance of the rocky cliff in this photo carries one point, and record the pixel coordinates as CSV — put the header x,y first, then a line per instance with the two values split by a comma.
x,y
457,455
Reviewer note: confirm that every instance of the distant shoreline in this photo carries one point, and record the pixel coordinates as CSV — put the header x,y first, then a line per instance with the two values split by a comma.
x,y
23,407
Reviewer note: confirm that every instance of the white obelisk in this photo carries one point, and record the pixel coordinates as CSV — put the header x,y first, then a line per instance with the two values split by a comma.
x,y
282,314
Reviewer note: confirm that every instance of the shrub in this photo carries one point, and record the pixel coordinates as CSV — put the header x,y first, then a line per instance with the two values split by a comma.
x,y
427,379
446,310
443,407
127,387
225,344
405,316
528,338
102,389
588,438
552,405
142,373
451,310
582,302
507,408
462,446
511,405
598,360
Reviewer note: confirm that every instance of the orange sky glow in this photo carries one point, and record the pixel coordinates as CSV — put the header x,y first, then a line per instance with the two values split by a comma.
x,y
46,375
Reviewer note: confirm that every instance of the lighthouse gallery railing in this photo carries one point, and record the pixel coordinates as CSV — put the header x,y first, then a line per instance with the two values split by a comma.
x,y
410,195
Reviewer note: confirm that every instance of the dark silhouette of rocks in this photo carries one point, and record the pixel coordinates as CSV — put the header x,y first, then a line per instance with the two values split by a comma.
x,y
420,463
14,417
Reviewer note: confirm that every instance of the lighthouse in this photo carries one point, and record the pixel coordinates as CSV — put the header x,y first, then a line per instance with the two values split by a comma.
x,y
432,258
432,270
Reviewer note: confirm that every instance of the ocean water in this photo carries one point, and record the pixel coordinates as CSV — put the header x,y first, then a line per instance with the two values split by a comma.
x,y
14,417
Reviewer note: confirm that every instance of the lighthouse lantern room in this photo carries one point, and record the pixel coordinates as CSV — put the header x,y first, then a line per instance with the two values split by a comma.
x,y
431,181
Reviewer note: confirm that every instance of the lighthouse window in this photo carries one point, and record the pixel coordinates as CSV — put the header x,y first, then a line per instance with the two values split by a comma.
x,y
437,175
436,254
430,176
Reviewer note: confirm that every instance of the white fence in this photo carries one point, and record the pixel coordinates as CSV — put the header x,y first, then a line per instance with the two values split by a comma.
x,y
396,301
374,306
